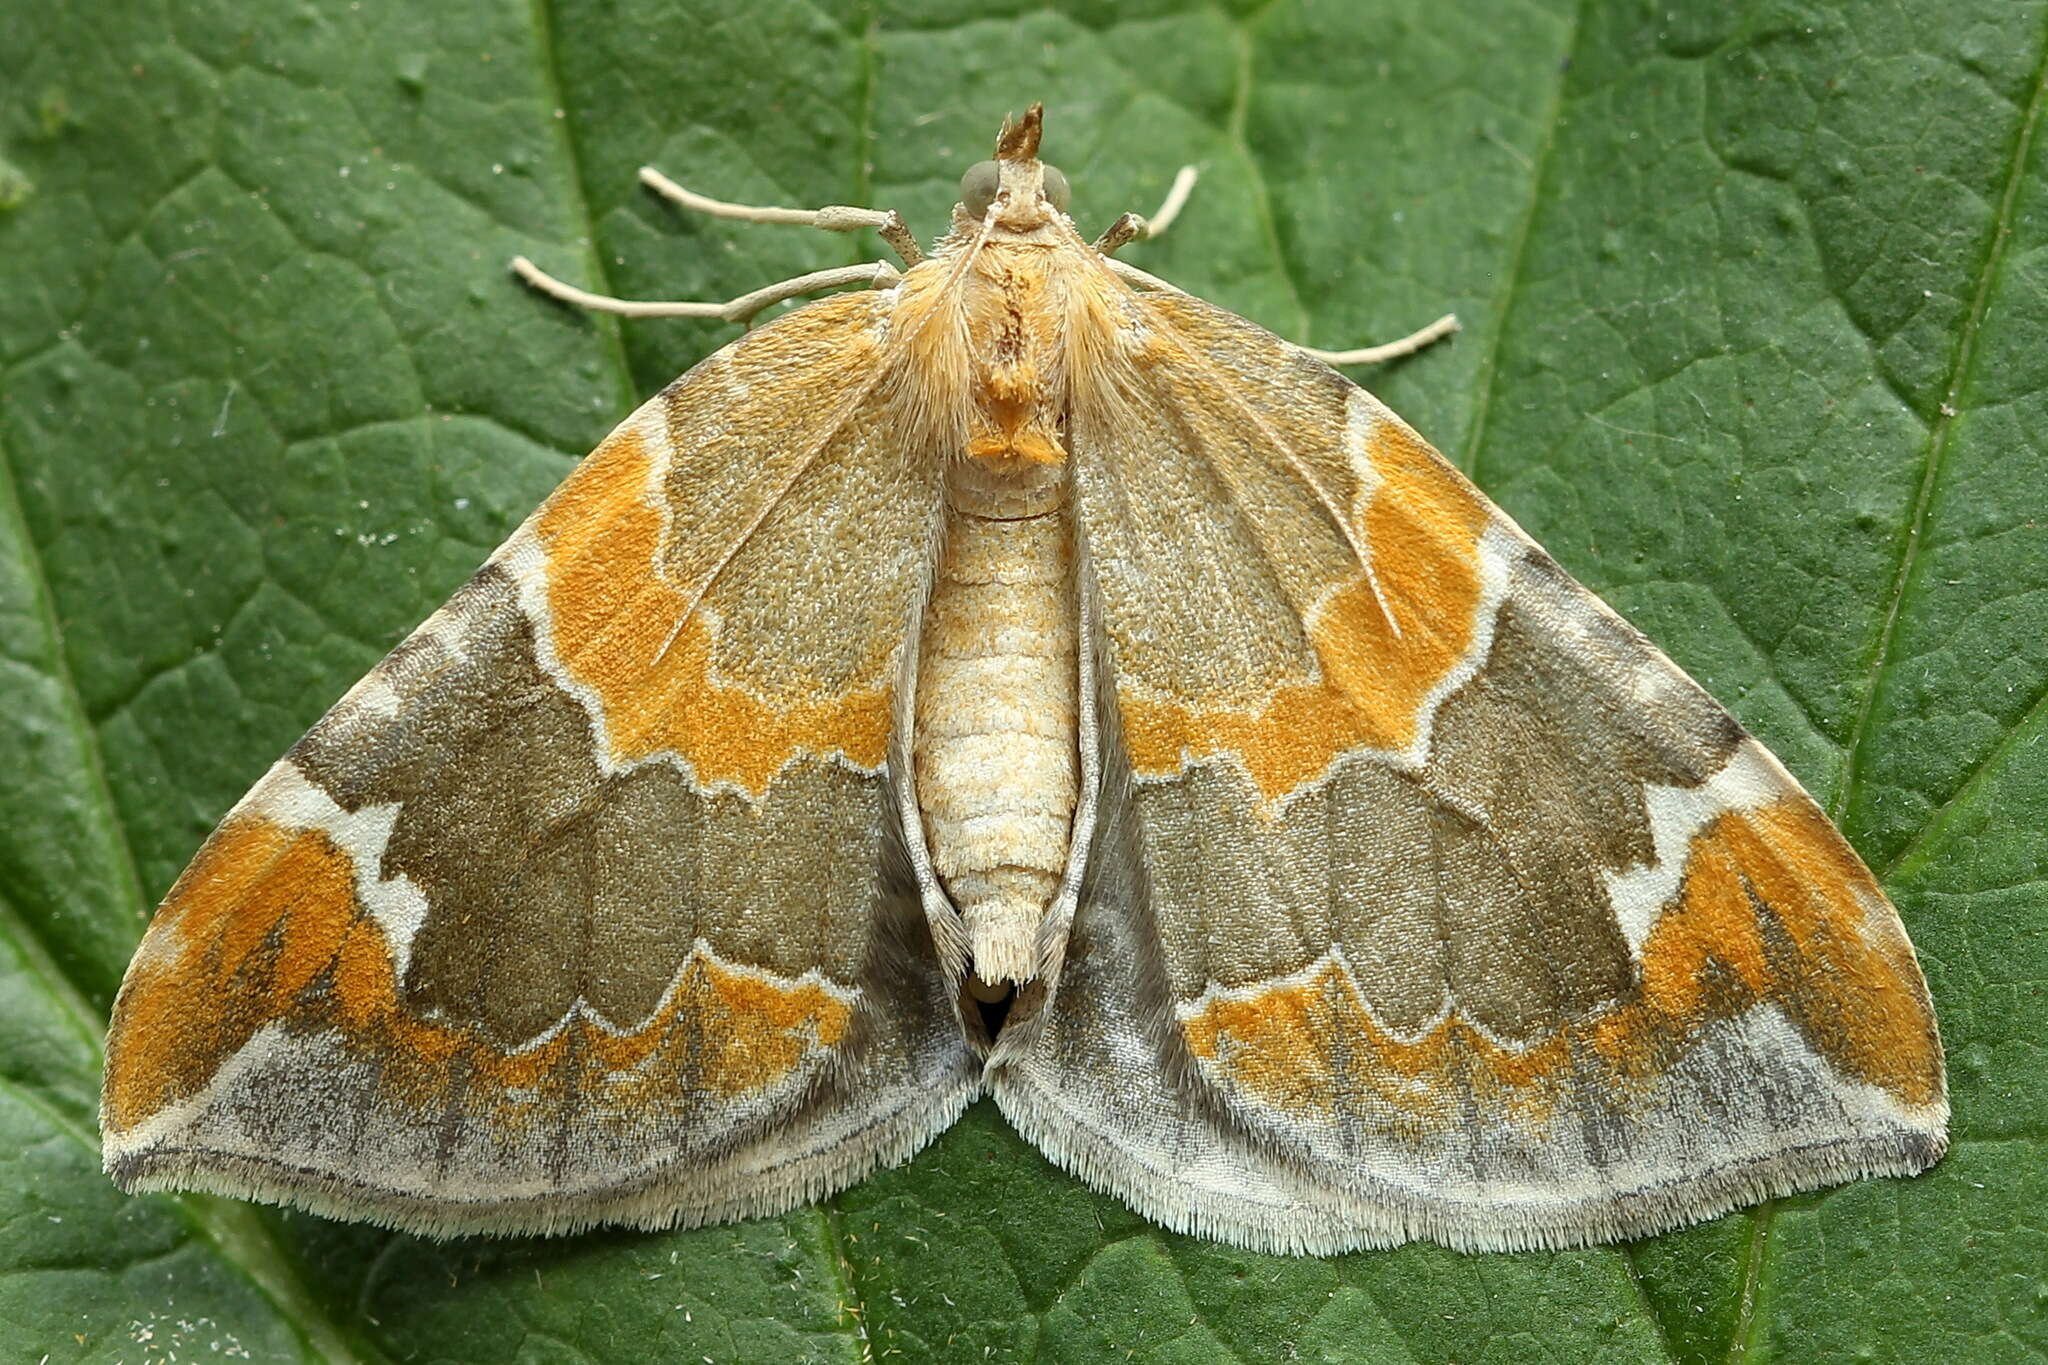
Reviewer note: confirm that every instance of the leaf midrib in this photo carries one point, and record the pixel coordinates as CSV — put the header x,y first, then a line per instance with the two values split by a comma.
x,y
1961,371
1751,1323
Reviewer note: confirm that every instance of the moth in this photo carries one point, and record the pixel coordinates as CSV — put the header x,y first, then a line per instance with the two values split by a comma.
x,y
1023,629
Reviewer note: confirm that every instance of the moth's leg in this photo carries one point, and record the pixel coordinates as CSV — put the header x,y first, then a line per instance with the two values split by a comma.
x,y
880,274
1136,227
1364,355
887,223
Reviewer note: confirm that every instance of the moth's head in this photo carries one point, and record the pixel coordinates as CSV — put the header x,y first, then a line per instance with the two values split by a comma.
x,y
1023,191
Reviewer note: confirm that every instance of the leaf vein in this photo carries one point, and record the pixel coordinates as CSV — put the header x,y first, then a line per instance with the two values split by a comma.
x,y
1488,373
1881,661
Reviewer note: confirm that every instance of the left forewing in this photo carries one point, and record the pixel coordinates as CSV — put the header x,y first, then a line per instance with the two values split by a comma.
x,y
586,903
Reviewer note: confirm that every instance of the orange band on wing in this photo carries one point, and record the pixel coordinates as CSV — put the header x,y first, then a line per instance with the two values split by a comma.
x,y
1776,906
172,1027
613,611
1773,910
1422,532
1303,1046
264,928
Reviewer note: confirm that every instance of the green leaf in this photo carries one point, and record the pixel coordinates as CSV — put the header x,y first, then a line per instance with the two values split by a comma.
x,y
1756,341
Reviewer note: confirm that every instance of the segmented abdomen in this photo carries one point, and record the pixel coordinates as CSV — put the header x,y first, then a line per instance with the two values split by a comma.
x,y
995,744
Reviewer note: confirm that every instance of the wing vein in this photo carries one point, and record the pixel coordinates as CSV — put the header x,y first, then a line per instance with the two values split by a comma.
x,y
1221,382
803,466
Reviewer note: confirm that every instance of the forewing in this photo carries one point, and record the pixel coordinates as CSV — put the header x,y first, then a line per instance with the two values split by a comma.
x,y
1461,912
587,903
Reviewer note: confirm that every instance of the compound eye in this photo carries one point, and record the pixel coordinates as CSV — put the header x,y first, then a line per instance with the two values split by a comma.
x,y
1056,192
978,188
